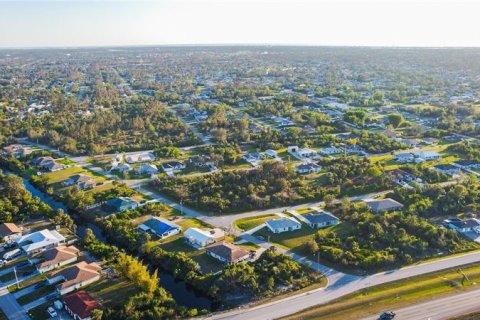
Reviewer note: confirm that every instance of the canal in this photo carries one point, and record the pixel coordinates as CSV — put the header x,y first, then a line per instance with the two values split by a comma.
x,y
180,291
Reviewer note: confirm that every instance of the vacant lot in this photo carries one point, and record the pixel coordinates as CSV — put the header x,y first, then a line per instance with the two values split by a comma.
x,y
245,224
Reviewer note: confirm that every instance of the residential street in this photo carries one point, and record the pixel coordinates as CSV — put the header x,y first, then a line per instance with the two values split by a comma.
x,y
440,309
10,306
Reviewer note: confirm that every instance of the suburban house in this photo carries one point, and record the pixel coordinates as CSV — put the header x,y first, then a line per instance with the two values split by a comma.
x,y
47,163
54,258
17,150
271,153
74,277
405,157
467,164
384,205
120,167
10,231
140,157
448,169
227,252
254,157
417,157
202,238
80,305
466,225
321,219
302,153
199,161
83,181
40,240
308,168
173,166
147,169
283,225
330,151
120,204
426,156
160,227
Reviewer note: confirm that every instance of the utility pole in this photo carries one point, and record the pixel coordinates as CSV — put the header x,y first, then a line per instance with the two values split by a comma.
x,y
318,261
16,278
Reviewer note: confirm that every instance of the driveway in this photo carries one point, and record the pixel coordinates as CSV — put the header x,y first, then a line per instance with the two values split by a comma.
x,y
38,302
10,306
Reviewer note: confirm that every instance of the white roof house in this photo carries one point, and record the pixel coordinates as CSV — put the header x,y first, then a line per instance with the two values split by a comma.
x,y
283,225
146,168
40,240
201,238
140,157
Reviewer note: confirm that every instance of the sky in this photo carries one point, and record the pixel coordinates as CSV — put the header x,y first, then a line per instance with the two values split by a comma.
x,y
67,23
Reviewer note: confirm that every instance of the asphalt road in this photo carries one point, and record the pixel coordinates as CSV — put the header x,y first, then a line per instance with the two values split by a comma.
x,y
440,309
339,285
10,306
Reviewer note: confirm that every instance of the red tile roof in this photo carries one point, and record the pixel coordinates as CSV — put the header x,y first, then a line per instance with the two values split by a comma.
x,y
81,303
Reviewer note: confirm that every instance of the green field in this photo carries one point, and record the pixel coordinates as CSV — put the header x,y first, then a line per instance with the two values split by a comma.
x,y
245,224
112,292
292,240
394,295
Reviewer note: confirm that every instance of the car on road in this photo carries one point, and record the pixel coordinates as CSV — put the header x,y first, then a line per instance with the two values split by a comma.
x,y
51,312
387,315
2,262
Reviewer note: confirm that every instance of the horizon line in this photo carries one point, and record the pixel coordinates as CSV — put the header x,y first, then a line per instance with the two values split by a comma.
x,y
47,47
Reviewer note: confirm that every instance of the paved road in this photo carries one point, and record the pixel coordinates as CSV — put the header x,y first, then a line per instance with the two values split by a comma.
x,y
440,309
340,285
10,306
227,220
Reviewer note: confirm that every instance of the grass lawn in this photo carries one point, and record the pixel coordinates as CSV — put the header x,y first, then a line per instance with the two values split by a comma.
x,y
245,224
32,296
20,272
112,292
292,240
57,176
394,295
193,223
40,312
26,283
206,262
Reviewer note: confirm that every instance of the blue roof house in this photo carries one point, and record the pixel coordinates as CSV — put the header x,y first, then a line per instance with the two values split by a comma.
x,y
160,227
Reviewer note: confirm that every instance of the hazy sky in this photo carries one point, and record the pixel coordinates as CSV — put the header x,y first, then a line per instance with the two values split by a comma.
x,y
345,22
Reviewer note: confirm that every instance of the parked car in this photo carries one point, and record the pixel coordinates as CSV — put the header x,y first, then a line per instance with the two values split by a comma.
x,y
12,254
387,315
2,262
51,312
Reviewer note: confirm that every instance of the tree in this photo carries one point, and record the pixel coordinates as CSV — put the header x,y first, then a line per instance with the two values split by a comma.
x,y
395,119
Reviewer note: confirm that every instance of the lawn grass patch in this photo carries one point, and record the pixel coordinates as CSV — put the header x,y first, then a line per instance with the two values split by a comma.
x,y
292,240
112,292
61,175
207,263
32,296
245,224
